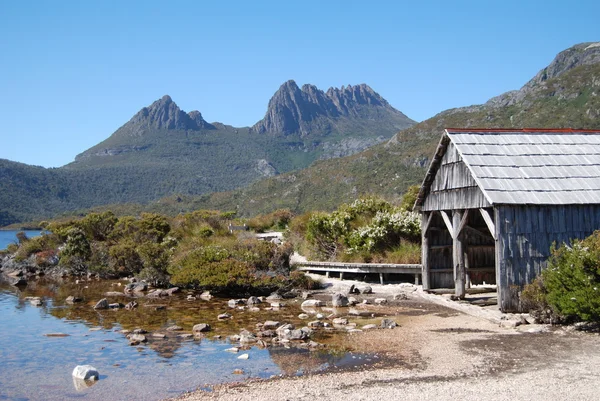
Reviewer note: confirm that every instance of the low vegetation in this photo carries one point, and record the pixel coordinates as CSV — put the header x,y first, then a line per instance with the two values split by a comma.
x,y
367,230
569,289
191,250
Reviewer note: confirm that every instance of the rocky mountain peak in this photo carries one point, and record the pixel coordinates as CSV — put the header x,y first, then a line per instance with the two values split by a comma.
x,y
294,110
573,57
200,122
165,114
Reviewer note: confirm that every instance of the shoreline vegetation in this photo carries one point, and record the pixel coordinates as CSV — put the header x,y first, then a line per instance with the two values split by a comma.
x,y
434,348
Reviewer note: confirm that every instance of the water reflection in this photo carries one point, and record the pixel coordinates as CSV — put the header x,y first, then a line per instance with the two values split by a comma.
x,y
168,363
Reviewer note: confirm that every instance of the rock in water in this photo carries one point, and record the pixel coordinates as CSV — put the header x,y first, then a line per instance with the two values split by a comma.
x,y
86,372
201,328
311,303
339,300
102,304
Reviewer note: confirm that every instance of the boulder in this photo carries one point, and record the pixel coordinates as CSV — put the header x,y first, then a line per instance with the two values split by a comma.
x,y
369,326
36,301
206,295
311,303
131,305
247,337
73,299
174,328
380,301
224,316
253,301
266,333
135,287
233,303
274,297
102,304
388,324
201,328
135,339
340,321
315,324
172,291
402,296
339,300
116,305
282,329
85,372
365,290
113,294
303,316
270,325
157,294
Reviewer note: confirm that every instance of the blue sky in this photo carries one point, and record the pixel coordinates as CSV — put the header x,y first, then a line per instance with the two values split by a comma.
x,y
72,72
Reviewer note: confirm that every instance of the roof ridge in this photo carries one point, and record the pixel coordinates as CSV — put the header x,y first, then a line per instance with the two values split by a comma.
x,y
520,130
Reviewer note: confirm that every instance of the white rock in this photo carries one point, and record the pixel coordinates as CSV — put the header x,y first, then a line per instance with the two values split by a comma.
x,y
85,372
243,356
311,303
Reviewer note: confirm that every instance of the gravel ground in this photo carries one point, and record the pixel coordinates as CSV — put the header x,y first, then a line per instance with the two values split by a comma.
x,y
446,351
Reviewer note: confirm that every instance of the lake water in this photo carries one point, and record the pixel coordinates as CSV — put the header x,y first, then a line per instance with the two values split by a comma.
x,y
34,366
8,237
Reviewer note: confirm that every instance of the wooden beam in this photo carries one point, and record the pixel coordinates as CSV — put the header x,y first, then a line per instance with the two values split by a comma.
x,y
426,221
489,221
458,255
425,251
476,231
448,222
463,223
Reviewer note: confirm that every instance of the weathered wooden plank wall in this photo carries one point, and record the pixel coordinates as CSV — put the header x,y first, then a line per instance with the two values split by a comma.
x,y
525,235
453,186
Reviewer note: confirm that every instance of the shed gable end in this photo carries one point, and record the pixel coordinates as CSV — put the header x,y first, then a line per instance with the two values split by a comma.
x,y
454,186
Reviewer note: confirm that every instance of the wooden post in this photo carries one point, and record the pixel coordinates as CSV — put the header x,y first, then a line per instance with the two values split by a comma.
x,y
341,276
425,221
458,255
381,278
327,274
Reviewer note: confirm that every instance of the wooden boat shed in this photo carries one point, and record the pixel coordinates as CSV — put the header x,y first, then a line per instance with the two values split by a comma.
x,y
494,201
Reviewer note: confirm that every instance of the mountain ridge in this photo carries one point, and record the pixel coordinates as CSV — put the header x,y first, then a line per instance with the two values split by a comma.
x,y
301,111
163,150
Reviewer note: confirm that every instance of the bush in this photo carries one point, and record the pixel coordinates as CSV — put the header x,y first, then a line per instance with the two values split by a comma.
x,y
360,229
570,286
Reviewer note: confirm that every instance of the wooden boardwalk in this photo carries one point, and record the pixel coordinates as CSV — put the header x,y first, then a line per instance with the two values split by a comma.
x,y
381,268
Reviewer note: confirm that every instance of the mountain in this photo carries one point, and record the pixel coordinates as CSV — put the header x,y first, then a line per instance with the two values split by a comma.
x,y
309,111
565,94
162,150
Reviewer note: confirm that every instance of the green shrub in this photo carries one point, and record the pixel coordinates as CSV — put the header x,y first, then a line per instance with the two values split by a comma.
x,y
300,280
570,286
360,229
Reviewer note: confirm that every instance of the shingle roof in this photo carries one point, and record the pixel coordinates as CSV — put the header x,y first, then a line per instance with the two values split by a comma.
x,y
528,166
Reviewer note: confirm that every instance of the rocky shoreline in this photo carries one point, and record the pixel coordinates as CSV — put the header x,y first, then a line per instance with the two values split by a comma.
x,y
445,353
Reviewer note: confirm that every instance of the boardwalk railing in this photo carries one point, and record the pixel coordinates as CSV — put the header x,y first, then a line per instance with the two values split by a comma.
x,y
339,267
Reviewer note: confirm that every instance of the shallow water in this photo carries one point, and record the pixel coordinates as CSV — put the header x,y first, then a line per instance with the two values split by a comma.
x,y
35,367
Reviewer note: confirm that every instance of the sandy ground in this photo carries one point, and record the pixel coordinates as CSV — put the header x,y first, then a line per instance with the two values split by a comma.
x,y
447,351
